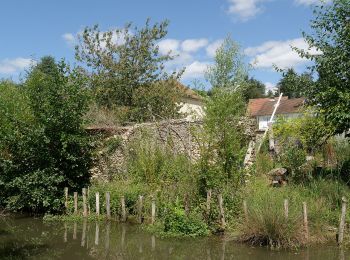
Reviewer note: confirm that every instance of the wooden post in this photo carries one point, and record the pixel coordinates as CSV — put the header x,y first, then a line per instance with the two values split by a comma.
x,y
108,205
286,209
75,202
66,199
153,210
122,201
306,225
221,213
97,203
140,207
88,200
208,202
245,209
342,221
85,212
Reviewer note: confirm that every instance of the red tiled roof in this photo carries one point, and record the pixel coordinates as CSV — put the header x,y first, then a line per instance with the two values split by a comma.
x,y
265,106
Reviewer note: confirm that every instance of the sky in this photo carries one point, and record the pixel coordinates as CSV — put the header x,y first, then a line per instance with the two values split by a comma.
x,y
265,30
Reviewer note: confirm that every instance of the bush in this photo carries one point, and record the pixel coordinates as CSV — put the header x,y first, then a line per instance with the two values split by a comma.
x,y
175,223
43,147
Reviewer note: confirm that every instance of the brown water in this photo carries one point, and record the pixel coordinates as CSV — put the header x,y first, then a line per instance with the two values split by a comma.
x,y
28,238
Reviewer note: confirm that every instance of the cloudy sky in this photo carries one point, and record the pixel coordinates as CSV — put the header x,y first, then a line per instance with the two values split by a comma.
x,y
265,29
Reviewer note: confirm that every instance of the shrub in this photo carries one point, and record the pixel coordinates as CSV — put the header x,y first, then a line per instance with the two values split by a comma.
x,y
48,150
175,222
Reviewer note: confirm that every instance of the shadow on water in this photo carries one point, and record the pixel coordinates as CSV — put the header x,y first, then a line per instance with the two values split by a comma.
x,y
27,238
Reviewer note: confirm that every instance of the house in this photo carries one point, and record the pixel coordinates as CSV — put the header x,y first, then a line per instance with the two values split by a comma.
x,y
262,109
191,106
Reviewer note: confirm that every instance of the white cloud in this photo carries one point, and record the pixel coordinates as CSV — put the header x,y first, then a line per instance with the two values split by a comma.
x,y
279,53
167,45
11,66
69,38
245,9
195,70
310,2
211,48
193,45
270,86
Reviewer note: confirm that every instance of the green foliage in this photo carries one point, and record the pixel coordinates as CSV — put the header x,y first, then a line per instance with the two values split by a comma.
x,y
177,223
229,67
222,143
331,38
266,223
293,85
253,88
129,68
156,101
309,130
43,148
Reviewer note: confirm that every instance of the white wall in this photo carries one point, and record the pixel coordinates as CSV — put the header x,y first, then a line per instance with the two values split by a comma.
x,y
191,109
263,120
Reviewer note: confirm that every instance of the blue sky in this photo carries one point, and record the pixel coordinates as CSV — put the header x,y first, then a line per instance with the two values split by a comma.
x,y
265,29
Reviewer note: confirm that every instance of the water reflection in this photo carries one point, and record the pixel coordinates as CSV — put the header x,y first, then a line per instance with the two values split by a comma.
x,y
110,240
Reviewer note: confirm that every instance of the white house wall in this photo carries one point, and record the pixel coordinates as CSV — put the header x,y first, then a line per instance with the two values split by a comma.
x,y
263,120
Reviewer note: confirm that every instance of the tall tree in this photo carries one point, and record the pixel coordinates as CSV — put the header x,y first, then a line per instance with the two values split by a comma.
x,y
229,67
123,60
253,89
331,37
294,85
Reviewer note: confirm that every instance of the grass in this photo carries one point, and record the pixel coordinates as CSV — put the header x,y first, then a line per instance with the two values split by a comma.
x,y
267,225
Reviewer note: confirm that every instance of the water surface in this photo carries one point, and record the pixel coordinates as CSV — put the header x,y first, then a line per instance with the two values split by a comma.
x,y
29,238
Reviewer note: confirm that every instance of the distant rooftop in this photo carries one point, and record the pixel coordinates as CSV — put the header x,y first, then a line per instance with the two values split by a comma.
x,y
265,106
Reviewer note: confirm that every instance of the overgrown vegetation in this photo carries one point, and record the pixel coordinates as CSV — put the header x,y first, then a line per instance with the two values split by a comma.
x,y
43,147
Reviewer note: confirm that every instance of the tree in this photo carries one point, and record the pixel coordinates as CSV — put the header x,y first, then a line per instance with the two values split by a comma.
x,y
294,85
124,60
253,89
330,96
44,147
223,142
229,67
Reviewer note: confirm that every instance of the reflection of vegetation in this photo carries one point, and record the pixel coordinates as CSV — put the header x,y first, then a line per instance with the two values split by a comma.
x,y
16,249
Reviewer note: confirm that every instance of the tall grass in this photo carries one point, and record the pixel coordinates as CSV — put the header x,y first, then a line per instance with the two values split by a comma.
x,y
267,225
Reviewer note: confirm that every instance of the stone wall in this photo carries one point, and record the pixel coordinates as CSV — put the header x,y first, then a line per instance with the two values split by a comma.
x,y
181,134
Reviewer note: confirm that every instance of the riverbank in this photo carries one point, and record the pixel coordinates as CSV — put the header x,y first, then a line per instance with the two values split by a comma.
x,y
31,238
259,214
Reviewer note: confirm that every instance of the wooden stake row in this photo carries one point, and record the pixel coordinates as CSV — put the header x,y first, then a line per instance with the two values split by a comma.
x,y
86,205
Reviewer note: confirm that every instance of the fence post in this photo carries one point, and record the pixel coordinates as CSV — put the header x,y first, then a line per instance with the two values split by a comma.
x,y
245,209
97,203
122,201
286,208
88,200
221,213
342,221
140,207
75,202
153,210
208,202
108,205
306,225
66,199
84,202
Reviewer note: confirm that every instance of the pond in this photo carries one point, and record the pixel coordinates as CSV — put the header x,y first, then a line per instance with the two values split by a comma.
x,y
30,238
